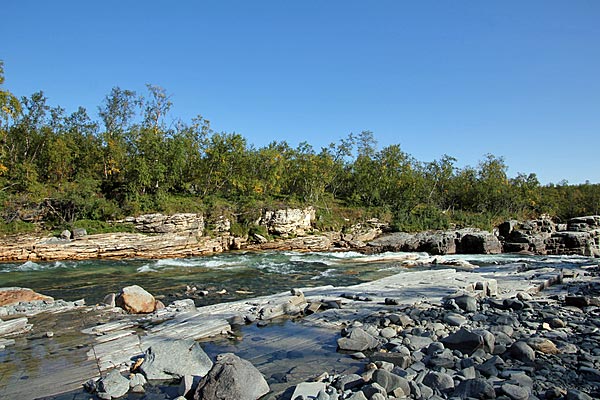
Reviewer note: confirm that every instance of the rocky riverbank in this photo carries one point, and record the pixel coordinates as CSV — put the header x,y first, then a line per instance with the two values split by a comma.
x,y
185,235
513,333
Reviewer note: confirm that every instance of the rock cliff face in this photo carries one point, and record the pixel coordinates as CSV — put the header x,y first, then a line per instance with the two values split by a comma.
x,y
464,241
581,236
115,246
288,221
176,223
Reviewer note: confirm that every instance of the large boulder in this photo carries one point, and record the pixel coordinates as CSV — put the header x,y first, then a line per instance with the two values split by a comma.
x,y
14,295
232,378
135,300
175,359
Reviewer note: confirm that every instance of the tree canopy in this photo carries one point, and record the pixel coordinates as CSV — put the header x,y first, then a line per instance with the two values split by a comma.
x,y
135,157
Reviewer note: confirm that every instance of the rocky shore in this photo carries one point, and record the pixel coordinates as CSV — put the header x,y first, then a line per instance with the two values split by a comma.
x,y
186,235
444,334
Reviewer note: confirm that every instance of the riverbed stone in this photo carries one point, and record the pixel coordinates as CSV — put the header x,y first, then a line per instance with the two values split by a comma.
x,y
175,359
135,300
391,381
358,340
464,340
232,377
477,388
439,381
113,385
522,351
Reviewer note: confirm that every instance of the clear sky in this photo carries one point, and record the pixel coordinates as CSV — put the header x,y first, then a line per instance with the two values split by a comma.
x,y
518,79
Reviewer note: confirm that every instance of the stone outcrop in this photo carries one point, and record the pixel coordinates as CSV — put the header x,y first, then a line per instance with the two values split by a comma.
x,y
114,246
464,241
288,221
177,223
14,295
580,236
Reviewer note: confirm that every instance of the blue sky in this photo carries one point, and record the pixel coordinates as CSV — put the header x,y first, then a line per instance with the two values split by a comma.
x,y
518,79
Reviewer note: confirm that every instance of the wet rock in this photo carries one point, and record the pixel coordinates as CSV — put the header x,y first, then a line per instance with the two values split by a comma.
x,y
358,340
175,359
522,351
14,295
135,300
475,388
232,378
113,385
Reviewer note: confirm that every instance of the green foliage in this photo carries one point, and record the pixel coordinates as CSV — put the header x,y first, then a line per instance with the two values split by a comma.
x,y
259,230
131,161
17,227
420,218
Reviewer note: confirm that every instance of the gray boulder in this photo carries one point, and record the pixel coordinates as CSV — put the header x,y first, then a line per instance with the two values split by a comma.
x,y
358,340
232,378
113,385
175,359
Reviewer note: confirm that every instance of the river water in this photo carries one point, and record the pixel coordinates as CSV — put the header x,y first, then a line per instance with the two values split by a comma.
x,y
226,277
235,275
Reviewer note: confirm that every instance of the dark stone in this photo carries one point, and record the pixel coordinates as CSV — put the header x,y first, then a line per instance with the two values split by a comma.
x,y
464,341
476,389
522,351
466,303
439,381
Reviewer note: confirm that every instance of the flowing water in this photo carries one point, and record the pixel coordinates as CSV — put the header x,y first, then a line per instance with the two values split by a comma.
x,y
240,275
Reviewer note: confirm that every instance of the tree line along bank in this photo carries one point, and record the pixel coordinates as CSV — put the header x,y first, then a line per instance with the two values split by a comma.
x,y
59,168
